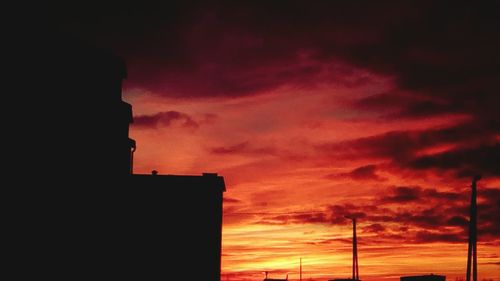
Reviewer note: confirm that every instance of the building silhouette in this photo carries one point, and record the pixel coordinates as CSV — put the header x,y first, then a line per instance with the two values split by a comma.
x,y
94,218
274,279
430,277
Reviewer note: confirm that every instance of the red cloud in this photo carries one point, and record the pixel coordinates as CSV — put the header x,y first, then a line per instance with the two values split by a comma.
x,y
367,172
165,119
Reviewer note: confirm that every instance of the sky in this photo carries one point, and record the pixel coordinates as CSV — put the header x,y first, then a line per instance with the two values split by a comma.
x,y
317,110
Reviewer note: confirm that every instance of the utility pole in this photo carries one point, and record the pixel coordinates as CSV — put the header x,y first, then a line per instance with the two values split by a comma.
x,y
300,271
355,269
472,251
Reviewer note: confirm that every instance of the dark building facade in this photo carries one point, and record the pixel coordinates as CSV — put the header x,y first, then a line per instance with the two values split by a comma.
x,y
95,219
430,277
179,220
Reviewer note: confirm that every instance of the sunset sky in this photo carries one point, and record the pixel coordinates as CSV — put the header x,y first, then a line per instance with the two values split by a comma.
x,y
315,110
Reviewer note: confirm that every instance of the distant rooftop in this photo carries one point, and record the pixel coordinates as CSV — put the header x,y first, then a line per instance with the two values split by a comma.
x,y
206,179
429,277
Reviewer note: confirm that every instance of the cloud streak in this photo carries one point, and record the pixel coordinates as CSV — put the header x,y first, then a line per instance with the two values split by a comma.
x,y
165,119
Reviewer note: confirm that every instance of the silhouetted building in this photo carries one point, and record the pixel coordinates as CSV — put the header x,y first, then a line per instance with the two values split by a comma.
x,y
273,279
430,277
179,222
79,121
95,218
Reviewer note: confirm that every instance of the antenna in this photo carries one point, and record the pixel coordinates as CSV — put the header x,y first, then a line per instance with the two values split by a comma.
x,y
300,274
472,250
355,269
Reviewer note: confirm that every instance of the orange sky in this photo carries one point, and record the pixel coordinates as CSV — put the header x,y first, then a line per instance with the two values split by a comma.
x,y
286,190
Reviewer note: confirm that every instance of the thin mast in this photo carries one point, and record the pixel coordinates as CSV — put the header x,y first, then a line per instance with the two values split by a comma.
x,y
472,250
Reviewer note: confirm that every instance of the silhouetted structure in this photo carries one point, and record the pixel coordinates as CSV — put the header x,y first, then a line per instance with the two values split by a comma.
x,y
430,277
300,270
472,250
355,269
105,221
173,234
272,279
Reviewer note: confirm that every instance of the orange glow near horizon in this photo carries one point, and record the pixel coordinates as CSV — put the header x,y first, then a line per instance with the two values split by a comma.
x,y
294,161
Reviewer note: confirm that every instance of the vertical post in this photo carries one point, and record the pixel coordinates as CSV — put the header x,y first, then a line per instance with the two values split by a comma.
x,y
132,162
132,150
355,269
472,249
300,270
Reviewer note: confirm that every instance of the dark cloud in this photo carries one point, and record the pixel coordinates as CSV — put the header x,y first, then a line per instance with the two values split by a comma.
x,y
165,119
467,162
384,101
488,212
213,49
431,193
395,145
405,105
427,218
230,149
424,109
451,59
333,214
402,194
473,146
458,221
430,237
374,228
231,200
339,214
443,58
367,172
311,218
318,217
445,50
417,215
243,148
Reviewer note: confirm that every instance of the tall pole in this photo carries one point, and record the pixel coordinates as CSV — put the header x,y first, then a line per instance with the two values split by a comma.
x,y
300,269
355,269
472,250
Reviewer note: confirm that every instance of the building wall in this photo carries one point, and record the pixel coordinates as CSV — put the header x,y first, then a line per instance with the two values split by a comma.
x,y
178,223
87,217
